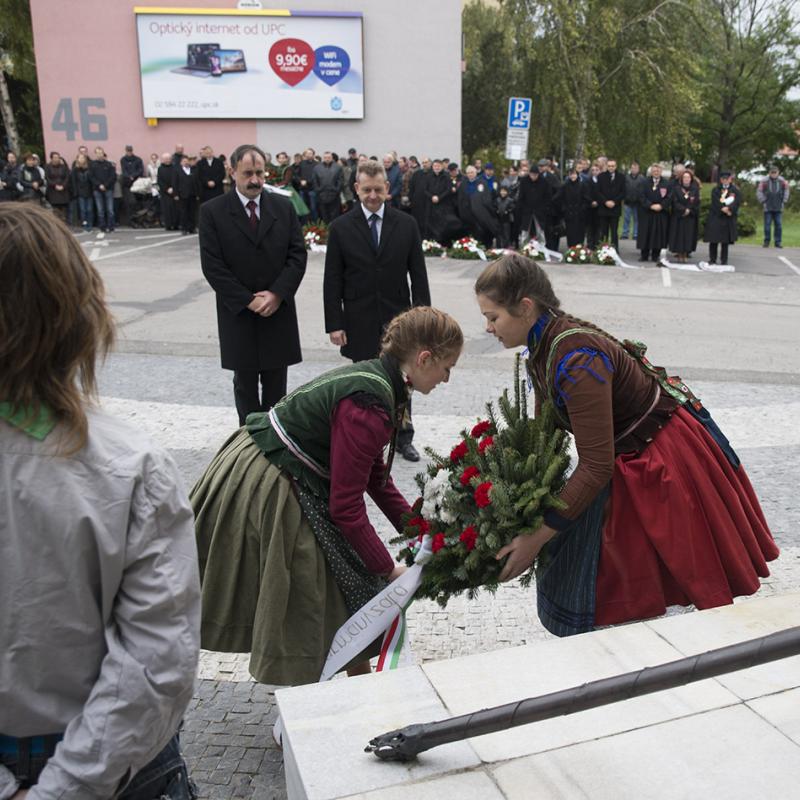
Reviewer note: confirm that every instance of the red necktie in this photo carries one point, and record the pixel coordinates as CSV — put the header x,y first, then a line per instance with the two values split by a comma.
x,y
251,207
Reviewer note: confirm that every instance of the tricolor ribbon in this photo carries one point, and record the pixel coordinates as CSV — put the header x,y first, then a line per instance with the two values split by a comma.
x,y
384,614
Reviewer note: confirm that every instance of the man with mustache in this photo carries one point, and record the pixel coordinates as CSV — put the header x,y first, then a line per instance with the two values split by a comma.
x,y
252,253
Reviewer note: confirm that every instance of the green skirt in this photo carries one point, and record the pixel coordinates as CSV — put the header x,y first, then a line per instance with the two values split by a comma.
x,y
267,588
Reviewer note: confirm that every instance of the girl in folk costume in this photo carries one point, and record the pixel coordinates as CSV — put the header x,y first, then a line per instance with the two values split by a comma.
x,y
659,511
685,213
721,222
653,216
287,552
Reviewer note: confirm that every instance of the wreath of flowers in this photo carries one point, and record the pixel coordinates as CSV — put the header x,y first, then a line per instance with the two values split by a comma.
x,y
578,254
465,248
605,255
532,249
497,482
496,252
432,248
315,234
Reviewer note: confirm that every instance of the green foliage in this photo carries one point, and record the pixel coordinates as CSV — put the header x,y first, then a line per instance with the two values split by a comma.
x,y
522,459
705,80
18,62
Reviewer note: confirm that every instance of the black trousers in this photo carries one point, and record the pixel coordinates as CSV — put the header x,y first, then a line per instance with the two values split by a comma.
x,y
187,211
609,230
328,211
245,390
712,252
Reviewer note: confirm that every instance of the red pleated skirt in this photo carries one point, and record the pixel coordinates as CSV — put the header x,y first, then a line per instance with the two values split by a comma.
x,y
683,527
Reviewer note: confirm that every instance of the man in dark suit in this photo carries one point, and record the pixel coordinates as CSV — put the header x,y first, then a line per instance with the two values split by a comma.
x,y
210,174
610,194
253,255
185,189
372,251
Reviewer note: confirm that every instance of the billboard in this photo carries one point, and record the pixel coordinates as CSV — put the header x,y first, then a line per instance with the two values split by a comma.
x,y
234,64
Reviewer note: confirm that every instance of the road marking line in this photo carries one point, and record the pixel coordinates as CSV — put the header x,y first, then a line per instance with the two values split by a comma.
x,y
789,264
155,235
94,254
147,246
666,278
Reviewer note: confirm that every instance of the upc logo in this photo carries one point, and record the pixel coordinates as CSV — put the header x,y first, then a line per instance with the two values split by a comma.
x,y
336,103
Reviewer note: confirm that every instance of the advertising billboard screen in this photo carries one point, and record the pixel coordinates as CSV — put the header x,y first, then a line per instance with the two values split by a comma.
x,y
230,64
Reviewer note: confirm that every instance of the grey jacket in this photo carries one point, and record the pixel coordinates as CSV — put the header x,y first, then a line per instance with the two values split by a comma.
x,y
633,188
773,194
100,598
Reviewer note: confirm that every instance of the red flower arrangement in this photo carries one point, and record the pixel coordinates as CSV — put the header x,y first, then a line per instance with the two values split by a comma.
x,y
482,498
438,542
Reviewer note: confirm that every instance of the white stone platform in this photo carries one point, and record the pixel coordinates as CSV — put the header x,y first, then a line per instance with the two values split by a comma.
x,y
736,736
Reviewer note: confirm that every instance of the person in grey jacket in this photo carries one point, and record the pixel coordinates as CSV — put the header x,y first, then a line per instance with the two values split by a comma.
x,y
634,183
327,181
99,581
773,194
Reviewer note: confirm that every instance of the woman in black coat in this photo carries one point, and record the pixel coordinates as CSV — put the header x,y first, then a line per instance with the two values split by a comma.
x,y
685,202
721,223
573,202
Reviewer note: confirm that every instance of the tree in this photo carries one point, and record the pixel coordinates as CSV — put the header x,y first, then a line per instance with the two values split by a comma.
x,y
490,78
749,64
19,93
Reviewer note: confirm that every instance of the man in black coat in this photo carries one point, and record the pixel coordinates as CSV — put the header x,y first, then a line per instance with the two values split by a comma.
x,y
185,189
253,255
610,194
653,216
372,252
165,178
210,174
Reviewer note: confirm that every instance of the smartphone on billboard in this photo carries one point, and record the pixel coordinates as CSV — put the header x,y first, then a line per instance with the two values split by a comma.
x,y
216,66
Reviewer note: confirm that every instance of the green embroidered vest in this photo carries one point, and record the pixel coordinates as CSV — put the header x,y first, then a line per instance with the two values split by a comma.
x,y
296,434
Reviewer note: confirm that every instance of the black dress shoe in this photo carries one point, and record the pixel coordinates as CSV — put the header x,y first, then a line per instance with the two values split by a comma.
x,y
409,452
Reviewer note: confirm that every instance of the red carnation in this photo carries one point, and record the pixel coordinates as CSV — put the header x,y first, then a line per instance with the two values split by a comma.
x,y
481,428
438,542
468,474
487,441
482,498
469,535
420,523
458,452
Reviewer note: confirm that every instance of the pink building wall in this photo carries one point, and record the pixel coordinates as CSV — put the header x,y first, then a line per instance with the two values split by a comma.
x,y
87,50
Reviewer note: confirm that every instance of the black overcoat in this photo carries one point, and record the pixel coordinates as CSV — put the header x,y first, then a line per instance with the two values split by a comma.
x,y
573,202
215,171
607,188
363,290
685,214
721,228
238,261
654,225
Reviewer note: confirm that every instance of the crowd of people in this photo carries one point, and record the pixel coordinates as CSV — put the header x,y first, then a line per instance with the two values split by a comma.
x,y
501,208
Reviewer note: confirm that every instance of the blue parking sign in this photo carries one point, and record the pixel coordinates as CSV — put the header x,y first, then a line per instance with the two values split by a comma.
x,y
519,113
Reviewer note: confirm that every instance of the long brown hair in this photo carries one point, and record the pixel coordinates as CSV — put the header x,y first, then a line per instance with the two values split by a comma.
x,y
54,323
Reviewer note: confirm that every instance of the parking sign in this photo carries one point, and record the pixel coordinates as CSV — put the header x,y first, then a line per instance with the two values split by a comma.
x,y
519,113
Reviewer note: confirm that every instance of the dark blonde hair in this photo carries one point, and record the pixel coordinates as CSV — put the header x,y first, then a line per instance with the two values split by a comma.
x,y
512,277
371,169
422,328
54,323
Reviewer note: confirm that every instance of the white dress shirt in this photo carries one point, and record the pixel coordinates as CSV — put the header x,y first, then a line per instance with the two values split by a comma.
x,y
245,200
379,223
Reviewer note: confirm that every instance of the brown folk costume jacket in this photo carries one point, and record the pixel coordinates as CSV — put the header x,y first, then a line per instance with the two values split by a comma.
x,y
603,396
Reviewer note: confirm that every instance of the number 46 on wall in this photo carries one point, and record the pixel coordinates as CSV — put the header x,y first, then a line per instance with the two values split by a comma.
x,y
93,126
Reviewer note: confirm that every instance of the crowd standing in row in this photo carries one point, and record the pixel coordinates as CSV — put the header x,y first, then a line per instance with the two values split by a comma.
x,y
505,210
